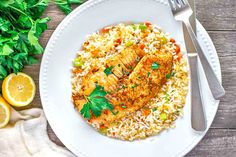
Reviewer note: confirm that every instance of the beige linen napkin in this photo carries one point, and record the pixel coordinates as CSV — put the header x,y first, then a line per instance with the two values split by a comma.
x,y
26,136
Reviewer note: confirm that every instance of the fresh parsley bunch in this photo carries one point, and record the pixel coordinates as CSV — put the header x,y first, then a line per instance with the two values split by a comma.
x,y
21,26
20,29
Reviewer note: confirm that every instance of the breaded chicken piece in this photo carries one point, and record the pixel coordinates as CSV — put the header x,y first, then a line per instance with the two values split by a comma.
x,y
142,85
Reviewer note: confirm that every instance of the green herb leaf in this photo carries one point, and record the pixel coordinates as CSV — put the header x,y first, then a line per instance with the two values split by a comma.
x,y
154,109
3,72
124,106
20,29
31,60
155,65
85,111
108,71
134,86
168,76
64,5
6,3
6,50
96,103
148,74
76,1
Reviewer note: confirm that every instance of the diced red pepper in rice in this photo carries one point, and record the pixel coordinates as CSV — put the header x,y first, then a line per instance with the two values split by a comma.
x,y
177,48
172,40
148,24
105,30
142,46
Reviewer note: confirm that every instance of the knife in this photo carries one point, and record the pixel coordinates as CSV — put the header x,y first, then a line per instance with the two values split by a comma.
x,y
198,120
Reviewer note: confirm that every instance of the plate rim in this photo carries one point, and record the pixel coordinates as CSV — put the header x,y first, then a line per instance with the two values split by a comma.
x,y
47,53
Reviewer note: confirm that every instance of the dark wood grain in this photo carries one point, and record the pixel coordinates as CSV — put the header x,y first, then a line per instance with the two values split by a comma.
x,y
216,143
219,18
213,14
226,47
217,14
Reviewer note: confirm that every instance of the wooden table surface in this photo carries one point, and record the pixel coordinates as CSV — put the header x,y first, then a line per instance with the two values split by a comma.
x,y
219,19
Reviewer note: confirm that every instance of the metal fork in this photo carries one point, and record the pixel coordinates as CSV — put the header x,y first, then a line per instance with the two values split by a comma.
x,y
182,11
198,120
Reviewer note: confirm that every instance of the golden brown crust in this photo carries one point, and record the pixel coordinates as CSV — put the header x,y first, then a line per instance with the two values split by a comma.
x,y
126,93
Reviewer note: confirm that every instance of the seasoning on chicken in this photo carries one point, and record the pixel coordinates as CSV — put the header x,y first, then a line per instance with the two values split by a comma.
x,y
142,84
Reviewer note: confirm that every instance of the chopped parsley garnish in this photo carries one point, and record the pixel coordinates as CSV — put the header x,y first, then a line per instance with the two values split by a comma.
x,y
148,74
154,109
108,71
126,72
139,77
173,74
134,86
155,65
123,106
167,76
118,65
138,59
115,113
123,86
130,67
96,103
142,27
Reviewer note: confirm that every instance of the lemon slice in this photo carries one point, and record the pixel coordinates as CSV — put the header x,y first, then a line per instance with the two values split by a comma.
x,y
4,112
18,90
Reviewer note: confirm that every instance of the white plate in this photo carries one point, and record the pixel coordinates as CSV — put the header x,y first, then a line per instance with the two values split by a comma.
x,y
55,77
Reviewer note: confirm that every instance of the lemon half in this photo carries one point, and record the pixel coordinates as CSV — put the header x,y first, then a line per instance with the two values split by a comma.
x,y
4,112
18,90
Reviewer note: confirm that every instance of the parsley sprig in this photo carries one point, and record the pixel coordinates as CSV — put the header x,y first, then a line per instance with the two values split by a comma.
x,y
65,5
96,103
108,70
155,66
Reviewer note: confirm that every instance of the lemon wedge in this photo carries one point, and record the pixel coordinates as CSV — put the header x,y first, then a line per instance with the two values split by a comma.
x,y
18,90
4,112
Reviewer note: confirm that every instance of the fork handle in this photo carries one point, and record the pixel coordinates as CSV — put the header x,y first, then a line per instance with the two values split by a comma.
x,y
216,88
198,120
